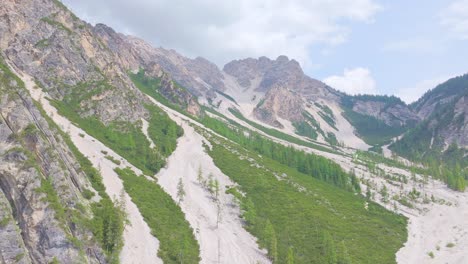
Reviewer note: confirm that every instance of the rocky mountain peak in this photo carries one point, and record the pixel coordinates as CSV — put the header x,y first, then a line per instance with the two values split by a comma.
x,y
271,73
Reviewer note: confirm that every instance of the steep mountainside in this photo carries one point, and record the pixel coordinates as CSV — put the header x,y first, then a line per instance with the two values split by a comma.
x,y
389,109
199,76
113,151
49,196
444,112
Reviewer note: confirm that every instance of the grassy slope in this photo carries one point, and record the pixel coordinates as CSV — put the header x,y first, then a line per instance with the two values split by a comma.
x,y
280,135
299,218
370,129
127,140
164,217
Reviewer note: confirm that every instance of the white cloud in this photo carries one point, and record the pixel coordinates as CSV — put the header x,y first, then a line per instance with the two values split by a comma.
x,y
455,18
414,92
226,30
353,81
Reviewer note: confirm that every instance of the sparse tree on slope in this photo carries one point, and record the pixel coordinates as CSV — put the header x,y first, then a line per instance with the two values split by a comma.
x,y
180,191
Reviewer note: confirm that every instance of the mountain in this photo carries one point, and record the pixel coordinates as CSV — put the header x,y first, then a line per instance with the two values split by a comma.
x,y
444,126
115,151
46,187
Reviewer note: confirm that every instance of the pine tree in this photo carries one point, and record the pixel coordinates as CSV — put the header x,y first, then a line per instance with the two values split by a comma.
x,y
200,178
343,257
180,191
211,183
216,189
290,255
328,248
272,242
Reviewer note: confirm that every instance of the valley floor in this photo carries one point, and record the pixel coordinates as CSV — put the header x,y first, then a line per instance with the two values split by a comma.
x,y
440,229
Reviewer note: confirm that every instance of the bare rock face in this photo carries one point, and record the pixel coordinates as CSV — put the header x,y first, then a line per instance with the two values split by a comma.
x,y
279,102
198,75
458,130
281,72
173,92
286,87
135,54
446,109
392,114
34,226
62,53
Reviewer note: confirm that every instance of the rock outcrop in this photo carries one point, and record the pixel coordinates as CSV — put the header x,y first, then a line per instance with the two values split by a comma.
x,y
61,52
42,211
197,75
389,109
445,110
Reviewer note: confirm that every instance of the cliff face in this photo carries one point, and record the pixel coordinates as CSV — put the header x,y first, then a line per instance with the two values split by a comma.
x,y
389,109
135,54
445,110
41,187
281,72
286,89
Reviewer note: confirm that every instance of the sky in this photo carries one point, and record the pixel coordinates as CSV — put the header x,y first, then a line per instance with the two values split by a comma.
x,y
393,47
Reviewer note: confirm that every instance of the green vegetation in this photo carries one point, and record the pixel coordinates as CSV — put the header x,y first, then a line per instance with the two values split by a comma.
x,y
108,219
163,131
280,135
227,96
124,138
372,130
450,245
314,125
4,221
306,130
424,143
452,87
348,101
152,87
328,117
114,160
310,164
302,219
56,24
42,43
164,217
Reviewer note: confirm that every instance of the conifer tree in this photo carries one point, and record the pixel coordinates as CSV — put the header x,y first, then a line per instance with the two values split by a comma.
x,y
272,242
180,191
290,255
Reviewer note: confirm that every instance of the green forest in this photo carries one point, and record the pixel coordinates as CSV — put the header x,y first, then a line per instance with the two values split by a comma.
x,y
164,217
310,164
320,224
